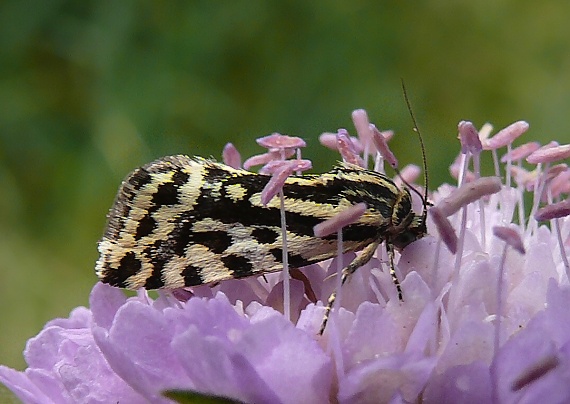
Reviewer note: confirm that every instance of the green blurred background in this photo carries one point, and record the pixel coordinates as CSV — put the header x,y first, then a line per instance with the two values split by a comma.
x,y
91,89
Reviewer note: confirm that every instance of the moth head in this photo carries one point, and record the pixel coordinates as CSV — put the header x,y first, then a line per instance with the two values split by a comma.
x,y
414,231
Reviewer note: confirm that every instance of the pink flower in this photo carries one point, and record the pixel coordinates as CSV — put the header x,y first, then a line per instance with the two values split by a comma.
x,y
489,323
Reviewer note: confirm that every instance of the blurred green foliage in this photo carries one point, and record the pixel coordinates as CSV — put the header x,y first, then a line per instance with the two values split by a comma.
x,y
89,90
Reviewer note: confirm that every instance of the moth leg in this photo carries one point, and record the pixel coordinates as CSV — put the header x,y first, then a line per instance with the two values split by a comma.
x,y
356,263
390,249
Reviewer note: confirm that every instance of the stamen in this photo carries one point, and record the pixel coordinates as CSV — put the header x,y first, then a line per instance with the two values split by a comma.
x,y
560,209
469,138
445,229
231,156
297,165
468,193
277,141
285,255
485,132
382,147
550,154
509,236
539,184
388,134
471,146
346,148
280,146
455,169
549,145
340,220
264,158
523,177
555,170
506,135
560,184
336,224
521,152
328,140
361,123
280,171
553,211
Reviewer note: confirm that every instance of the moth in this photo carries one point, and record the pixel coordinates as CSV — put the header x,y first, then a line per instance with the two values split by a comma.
x,y
185,221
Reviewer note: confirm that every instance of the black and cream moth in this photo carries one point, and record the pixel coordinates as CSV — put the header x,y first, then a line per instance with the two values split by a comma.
x,y
182,221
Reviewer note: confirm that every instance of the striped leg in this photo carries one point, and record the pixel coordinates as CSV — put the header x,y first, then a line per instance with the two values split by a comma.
x,y
390,249
356,263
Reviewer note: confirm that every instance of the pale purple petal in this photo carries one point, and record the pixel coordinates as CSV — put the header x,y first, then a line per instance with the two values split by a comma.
x,y
105,301
297,299
364,341
66,366
23,386
141,357
468,383
225,372
522,352
378,381
264,359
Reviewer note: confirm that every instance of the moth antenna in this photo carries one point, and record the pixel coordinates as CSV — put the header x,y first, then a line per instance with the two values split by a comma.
x,y
408,185
422,145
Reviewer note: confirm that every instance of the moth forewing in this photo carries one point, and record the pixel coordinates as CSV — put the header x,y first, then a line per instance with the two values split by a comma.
x,y
182,221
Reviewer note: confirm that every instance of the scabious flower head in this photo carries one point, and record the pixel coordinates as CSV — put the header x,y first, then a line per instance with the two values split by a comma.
x,y
486,323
